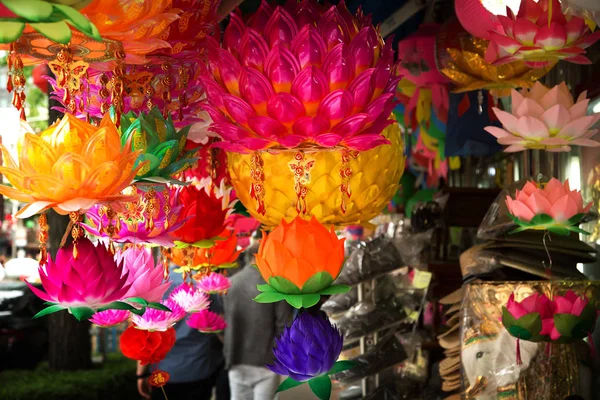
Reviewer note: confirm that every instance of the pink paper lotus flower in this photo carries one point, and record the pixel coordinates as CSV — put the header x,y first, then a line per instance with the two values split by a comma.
x,y
574,317
299,76
547,119
146,279
159,320
214,283
539,35
190,298
207,322
83,284
149,220
108,318
554,207
534,303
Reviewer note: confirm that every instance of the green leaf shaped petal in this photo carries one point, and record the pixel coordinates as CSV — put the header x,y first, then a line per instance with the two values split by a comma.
x,y
283,285
269,297
10,31
49,310
289,383
317,282
82,313
30,10
56,31
335,289
321,387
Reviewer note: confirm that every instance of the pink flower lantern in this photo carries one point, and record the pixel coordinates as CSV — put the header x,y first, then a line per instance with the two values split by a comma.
x,y
207,322
214,283
553,207
108,318
546,119
159,320
190,298
146,278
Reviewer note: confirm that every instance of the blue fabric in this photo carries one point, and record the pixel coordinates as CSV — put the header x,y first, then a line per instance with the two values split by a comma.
x,y
195,356
465,135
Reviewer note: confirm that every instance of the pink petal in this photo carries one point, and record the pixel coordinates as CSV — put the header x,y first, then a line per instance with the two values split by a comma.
x,y
254,144
498,132
517,310
351,125
42,295
530,127
555,334
505,44
229,72
281,68
578,127
516,99
547,326
361,53
253,50
589,39
238,109
555,118
556,95
232,37
382,105
554,141
525,31
310,127
530,188
365,142
285,108
508,120
579,59
579,305
563,209
291,141
520,210
328,139
337,69
562,305
509,140
268,127
336,106
579,109
531,303
514,148
538,204
571,296
538,91
574,29
309,47
255,89
551,37
531,108
585,143
281,28
361,89
310,86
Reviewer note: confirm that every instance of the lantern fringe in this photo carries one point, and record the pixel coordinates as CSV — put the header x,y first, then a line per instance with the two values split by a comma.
x,y
519,359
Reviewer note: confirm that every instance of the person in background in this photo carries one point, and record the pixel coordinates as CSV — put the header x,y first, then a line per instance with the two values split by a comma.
x,y
250,334
195,363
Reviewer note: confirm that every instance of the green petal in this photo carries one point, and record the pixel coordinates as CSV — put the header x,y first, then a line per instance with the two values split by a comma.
x,y
10,31
559,230
265,288
177,167
542,219
82,313
31,10
317,282
288,384
137,300
56,31
158,306
117,305
283,285
321,387
575,219
309,300
294,300
49,310
153,163
269,297
340,366
75,18
204,244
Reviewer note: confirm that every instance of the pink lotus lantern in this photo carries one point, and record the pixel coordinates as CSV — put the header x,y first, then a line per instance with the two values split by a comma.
x,y
214,283
299,76
146,279
149,220
159,320
547,119
108,318
540,34
90,282
190,298
553,207
207,322
480,17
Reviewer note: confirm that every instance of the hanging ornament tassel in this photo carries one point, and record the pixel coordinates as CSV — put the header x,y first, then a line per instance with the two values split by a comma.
x,y
116,81
110,229
519,359
15,83
548,349
301,167
76,230
345,175
480,102
43,238
548,269
257,190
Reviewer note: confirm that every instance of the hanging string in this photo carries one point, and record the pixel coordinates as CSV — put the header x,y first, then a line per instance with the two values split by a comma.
x,y
549,267
519,359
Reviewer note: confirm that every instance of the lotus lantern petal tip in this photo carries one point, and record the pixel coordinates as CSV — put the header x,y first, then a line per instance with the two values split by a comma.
x,y
207,321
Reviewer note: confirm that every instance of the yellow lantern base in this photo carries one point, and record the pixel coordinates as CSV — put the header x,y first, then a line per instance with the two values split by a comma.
x,y
338,187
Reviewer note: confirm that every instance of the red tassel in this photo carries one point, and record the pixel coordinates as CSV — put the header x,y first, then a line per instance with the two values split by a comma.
x,y
519,360
592,346
548,350
464,105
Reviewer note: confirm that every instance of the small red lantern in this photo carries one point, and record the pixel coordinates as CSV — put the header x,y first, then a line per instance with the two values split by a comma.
x,y
148,347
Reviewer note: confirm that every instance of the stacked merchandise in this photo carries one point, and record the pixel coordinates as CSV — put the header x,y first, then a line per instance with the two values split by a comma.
x,y
450,342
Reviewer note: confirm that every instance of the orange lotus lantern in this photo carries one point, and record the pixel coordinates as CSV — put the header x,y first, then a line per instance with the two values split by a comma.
x,y
223,254
299,261
69,167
